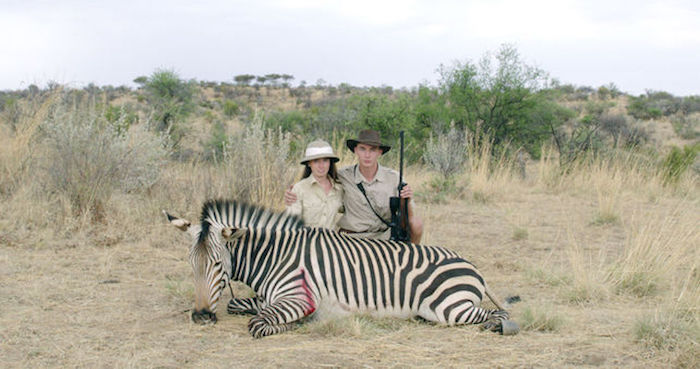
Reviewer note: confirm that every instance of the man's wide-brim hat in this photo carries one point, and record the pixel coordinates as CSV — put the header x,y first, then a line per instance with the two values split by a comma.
x,y
319,149
367,137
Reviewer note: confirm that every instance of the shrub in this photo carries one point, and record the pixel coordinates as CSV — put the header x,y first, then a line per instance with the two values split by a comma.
x,y
120,117
171,100
446,154
215,145
654,104
690,104
678,161
665,330
256,164
686,126
88,158
231,108
438,189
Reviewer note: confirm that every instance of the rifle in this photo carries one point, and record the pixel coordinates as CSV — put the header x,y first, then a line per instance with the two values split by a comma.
x,y
400,230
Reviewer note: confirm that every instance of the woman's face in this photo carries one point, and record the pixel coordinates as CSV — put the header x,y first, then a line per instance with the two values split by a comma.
x,y
319,167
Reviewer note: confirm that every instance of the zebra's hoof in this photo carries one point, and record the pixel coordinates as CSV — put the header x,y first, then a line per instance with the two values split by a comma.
x,y
509,328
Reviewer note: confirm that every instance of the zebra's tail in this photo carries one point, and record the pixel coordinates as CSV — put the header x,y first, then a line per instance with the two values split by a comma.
x,y
493,297
498,302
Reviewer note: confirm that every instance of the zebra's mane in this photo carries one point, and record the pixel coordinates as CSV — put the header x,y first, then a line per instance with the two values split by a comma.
x,y
236,214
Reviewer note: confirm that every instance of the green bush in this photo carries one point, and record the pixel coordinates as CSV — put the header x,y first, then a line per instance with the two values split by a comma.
x,y
496,97
653,105
214,146
171,99
120,117
678,161
231,108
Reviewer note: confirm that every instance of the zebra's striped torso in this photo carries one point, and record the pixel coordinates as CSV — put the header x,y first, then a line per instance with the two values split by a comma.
x,y
359,275
297,271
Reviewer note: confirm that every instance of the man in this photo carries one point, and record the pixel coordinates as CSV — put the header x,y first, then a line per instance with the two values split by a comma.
x,y
367,216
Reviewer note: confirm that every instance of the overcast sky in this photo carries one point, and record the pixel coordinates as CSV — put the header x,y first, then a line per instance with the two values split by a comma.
x,y
637,45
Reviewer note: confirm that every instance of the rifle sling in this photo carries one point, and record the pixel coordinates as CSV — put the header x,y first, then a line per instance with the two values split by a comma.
x,y
362,189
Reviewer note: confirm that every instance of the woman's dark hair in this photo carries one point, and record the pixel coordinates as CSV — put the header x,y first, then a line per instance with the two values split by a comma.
x,y
332,172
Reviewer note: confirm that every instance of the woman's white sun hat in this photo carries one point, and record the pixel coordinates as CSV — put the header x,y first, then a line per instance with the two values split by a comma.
x,y
319,149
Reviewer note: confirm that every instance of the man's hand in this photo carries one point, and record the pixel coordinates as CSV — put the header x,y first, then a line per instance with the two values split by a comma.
x,y
406,192
289,197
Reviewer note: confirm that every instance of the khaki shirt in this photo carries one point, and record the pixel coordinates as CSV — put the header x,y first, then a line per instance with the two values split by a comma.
x,y
317,208
359,217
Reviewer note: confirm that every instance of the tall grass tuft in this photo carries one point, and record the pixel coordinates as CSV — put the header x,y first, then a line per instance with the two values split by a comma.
x,y
586,274
608,182
18,134
655,250
488,173
672,328
540,320
86,157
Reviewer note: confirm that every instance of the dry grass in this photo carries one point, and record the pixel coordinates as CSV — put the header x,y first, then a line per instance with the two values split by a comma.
x,y
118,294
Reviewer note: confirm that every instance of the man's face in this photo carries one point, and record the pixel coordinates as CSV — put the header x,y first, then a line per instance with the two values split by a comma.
x,y
367,155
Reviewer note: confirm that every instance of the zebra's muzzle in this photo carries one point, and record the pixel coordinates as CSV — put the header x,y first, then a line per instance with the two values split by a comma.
x,y
203,316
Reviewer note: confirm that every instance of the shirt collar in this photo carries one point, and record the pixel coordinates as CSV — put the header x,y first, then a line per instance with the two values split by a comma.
x,y
379,177
314,181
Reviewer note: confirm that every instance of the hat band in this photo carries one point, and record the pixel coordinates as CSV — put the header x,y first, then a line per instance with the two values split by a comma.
x,y
312,151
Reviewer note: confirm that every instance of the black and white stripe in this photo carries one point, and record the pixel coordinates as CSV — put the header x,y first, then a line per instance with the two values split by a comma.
x,y
295,271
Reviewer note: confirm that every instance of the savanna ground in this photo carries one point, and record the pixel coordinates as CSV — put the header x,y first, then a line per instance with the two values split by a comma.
x,y
604,256
119,295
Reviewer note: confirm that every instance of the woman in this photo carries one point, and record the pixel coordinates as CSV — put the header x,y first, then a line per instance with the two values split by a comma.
x,y
319,193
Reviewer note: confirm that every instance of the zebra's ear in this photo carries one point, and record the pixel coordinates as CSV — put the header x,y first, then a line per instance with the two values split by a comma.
x,y
179,223
230,233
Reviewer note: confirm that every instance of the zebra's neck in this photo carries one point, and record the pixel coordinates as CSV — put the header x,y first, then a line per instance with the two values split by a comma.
x,y
257,253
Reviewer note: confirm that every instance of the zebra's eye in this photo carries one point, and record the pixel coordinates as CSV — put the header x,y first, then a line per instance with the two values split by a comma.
x,y
217,264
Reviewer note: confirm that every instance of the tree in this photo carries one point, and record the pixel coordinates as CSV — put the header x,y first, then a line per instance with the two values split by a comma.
x,y
287,78
496,97
243,79
272,78
171,99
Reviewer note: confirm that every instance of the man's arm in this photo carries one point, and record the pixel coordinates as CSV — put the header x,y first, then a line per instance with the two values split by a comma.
x,y
289,197
295,206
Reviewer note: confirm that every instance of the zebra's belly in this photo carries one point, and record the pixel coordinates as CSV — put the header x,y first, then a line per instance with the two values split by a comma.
x,y
330,308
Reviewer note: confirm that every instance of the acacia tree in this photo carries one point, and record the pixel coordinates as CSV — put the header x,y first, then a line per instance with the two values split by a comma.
x,y
272,78
171,100
496,97
243,79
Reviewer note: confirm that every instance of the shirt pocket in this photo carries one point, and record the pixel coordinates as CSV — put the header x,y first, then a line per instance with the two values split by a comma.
x,y
313,210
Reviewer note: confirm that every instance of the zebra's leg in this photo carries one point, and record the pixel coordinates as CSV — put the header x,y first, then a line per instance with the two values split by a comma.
x,y
464,312
280,316
494,323
246,306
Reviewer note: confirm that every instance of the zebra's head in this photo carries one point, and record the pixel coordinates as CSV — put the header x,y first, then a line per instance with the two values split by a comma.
x,y
211,265
222,222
